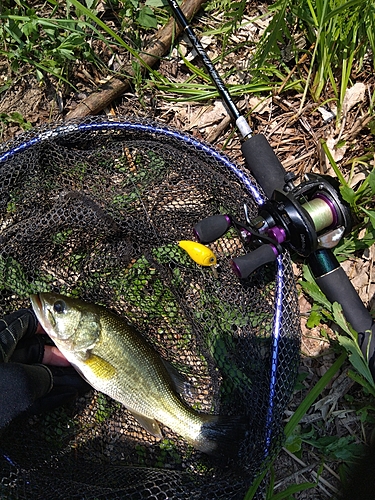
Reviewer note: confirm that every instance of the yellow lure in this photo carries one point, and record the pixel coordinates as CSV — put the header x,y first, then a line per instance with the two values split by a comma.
x,y
200,254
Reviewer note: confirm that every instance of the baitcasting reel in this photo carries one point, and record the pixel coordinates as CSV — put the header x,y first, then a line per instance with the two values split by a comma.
x,y
306,217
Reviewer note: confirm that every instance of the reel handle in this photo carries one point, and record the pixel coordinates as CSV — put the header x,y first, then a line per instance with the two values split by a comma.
x,y
211,228
246,264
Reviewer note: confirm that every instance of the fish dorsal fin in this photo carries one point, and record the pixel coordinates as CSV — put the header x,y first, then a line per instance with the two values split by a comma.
x,y
100,367
180,382
149,424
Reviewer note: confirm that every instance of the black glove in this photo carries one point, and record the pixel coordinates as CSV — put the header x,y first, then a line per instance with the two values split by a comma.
x,y
67,386
20,386
26,384
18,340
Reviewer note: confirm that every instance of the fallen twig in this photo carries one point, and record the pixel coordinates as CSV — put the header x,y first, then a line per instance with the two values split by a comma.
x,y
116,86
321,482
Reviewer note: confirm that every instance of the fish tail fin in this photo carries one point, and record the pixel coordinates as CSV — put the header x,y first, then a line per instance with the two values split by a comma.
x,y
221,436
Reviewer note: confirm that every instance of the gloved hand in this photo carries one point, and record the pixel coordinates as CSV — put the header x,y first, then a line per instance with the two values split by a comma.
x,y
26,383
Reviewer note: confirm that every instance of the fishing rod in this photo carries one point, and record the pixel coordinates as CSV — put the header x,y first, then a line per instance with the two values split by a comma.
x,y
234,113
257,151
310,218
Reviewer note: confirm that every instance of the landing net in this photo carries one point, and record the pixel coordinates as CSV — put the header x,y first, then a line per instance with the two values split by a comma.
x,y
95,209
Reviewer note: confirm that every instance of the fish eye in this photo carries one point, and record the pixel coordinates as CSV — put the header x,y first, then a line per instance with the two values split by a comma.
x,y
59,306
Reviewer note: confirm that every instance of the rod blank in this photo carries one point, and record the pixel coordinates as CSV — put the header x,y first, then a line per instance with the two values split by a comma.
x,y
232,109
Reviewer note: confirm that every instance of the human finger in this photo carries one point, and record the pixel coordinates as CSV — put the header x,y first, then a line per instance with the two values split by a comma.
x,y
52,356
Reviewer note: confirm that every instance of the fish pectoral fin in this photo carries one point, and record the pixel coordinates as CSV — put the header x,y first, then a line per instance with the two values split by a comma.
x,y
100,367
149,424
180,382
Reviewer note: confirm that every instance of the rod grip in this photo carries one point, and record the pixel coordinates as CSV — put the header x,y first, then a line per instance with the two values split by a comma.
x,y
336,286
264,164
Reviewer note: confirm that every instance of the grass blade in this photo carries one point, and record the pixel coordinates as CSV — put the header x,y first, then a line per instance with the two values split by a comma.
x,y
293,488
313,394
109,31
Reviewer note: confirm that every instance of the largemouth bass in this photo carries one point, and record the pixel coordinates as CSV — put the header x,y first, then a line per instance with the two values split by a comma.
x,y
116,360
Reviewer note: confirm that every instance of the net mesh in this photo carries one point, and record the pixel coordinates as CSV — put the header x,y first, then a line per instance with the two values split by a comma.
x,y
95,209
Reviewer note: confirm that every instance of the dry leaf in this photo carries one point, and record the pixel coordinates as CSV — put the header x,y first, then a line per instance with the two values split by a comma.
x,y
260,106
357,178
209,116
337,154
206,41
353,96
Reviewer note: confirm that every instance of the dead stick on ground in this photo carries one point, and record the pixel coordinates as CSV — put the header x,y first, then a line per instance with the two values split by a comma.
x,y
116,86
320,480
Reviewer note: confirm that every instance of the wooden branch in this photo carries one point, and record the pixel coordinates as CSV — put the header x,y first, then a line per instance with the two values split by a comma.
x,y
116,86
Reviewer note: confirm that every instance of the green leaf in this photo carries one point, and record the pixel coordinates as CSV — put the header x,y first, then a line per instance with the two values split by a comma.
x,y
344,448
362,381
299,386
314,319
293,488
315,292
39,75
29,27
371,216
68,54
371,180
87,12
356,357
312,395
339,318
350,344
348,194
293,443
156,3
333,164
146,18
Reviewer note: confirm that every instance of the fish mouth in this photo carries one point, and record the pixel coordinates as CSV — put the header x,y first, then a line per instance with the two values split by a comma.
x,y
36,302
37,305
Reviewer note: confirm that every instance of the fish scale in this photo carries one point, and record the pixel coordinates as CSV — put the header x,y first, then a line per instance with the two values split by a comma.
x,y
143,365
